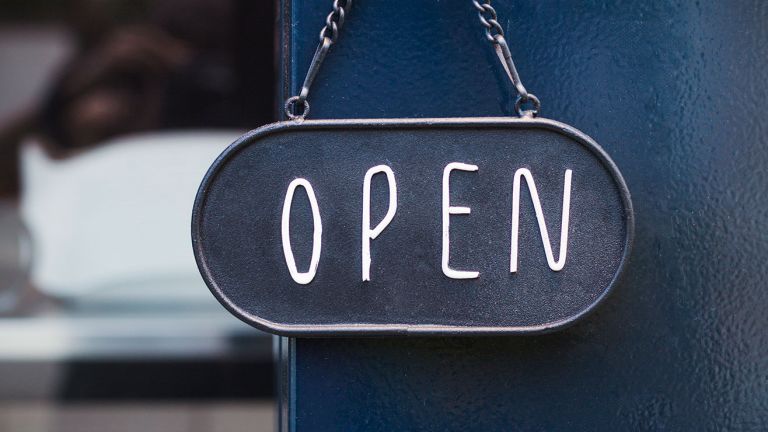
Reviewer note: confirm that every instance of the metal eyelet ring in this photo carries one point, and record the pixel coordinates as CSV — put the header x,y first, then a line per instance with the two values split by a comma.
x,y
290,105
530,97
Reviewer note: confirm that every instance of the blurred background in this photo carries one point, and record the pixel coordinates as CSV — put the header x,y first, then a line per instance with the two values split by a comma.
x,y
110,113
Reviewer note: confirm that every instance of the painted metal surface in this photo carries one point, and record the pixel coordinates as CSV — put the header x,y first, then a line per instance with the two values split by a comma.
x,y
675,91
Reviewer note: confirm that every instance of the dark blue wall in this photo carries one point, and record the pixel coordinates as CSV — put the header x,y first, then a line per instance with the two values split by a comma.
x,y
676,92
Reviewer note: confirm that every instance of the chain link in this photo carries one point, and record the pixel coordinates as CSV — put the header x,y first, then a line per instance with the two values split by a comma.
x,y
335,20
329,34
488,19
494,32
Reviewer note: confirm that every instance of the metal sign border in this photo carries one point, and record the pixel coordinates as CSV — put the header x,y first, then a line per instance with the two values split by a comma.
x,y
331,330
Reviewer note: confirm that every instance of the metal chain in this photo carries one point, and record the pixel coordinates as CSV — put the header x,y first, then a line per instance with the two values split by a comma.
x,y
329,34
495,34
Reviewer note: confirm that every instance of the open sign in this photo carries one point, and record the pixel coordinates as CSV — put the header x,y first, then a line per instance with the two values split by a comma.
x,y
420,226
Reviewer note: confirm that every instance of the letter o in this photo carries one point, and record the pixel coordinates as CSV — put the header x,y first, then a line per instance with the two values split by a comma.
x,y
317,234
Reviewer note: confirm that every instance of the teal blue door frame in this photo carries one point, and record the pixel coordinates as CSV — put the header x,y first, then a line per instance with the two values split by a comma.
x,y
676,93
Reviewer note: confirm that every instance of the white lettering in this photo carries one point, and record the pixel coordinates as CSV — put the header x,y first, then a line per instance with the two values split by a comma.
x,y
447,212
554,265
368,233
317,235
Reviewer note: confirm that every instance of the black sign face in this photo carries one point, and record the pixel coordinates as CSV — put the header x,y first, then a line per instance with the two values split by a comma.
x,y
443,226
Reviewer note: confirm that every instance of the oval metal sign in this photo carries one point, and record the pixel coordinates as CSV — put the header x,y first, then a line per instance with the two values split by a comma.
x,y
441,226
